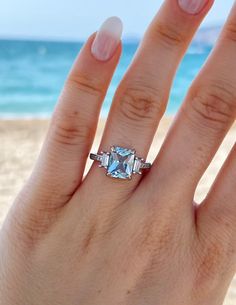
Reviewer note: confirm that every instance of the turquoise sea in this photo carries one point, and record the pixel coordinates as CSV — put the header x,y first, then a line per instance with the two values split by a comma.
x,y
32,74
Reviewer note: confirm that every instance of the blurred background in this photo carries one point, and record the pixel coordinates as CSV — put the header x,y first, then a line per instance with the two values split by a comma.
x,y
40,39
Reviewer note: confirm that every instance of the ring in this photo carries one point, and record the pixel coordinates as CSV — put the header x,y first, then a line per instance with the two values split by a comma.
x,y
121,163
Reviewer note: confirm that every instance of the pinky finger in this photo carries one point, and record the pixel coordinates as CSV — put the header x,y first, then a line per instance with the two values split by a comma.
x,y
218,211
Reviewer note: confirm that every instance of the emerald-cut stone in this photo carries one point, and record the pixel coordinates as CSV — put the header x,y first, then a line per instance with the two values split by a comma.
x,y
121,163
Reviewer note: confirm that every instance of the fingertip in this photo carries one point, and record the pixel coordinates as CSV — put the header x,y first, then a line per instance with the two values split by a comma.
x,y
194,7
107,39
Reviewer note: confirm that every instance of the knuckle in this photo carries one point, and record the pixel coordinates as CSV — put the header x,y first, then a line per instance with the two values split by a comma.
x,y
214,104
213,261
223,222
140,104
230,31
210,261
168,35
84,84
151,242
70,128
155,242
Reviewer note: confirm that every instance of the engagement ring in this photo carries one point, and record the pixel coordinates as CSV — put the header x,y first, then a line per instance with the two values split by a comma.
x,y
121,163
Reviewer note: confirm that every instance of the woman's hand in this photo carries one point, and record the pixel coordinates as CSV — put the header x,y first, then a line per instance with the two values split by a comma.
x,y
102,241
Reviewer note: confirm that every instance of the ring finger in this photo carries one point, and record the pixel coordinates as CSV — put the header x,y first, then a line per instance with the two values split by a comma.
x,y
141,98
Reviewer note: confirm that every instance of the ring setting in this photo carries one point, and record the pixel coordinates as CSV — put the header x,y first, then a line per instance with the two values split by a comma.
x,y
121,163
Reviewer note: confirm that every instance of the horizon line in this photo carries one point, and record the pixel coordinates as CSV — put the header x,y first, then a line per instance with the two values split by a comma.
x,y
128,38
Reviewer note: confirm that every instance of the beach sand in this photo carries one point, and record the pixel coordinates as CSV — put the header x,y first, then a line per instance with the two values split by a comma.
x,y
20,143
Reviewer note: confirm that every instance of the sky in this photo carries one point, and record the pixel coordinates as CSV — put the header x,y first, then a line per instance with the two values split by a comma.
x,y
76,19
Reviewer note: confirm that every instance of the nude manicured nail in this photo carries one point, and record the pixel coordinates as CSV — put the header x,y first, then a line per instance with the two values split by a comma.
x,y
192,6
107,39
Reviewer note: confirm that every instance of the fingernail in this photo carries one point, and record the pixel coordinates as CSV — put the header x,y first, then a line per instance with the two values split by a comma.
x,y
107,39
192,6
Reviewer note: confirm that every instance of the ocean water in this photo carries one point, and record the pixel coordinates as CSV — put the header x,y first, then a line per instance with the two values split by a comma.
x,y
32,74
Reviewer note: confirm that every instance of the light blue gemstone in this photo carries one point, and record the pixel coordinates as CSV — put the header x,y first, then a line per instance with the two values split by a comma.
x,y
121,163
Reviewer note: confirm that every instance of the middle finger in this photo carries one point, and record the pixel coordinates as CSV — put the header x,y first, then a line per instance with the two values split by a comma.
x,y
203,121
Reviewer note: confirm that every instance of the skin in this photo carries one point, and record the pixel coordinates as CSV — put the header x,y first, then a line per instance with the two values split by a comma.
x,y
69,240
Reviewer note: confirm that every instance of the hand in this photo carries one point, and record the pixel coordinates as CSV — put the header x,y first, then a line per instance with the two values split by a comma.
x,y
102,241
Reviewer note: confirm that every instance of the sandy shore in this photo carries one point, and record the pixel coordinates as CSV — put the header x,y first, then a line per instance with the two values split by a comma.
x,y
20,142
